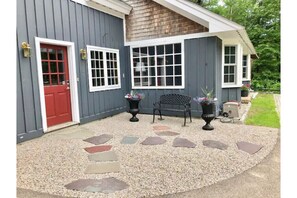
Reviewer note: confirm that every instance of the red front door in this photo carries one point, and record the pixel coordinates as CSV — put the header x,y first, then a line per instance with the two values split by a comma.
x,y
56,84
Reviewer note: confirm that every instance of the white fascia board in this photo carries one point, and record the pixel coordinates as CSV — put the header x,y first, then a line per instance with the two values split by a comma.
x,y
101,8
115,5
247,42
214,22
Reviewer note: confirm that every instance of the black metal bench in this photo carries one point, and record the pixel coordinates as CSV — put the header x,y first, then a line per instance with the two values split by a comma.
x,y
173,99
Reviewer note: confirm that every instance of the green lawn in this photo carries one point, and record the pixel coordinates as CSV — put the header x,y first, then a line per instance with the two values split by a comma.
x,y
262,112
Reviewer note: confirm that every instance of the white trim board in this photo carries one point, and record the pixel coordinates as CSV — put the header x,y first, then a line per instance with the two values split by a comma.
x,y
72,78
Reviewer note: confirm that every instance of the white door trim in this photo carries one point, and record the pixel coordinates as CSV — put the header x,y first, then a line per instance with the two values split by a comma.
x,y
72,78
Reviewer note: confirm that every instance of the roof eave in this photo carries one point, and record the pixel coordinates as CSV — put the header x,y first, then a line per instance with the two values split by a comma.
x,y
116,5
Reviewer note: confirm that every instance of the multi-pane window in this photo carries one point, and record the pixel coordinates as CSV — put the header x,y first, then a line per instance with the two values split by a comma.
x,y
157,66
230,64
103,65
244,67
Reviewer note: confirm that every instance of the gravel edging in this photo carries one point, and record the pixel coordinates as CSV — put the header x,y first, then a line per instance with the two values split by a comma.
x,y
48,163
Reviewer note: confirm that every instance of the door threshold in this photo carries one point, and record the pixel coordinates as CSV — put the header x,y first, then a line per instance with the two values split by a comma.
x,y
61,126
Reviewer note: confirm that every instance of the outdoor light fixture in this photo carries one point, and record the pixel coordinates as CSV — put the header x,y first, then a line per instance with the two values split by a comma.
x,y
83,54
26,49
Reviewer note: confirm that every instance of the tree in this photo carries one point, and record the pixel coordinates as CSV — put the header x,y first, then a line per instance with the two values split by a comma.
x,y
261,18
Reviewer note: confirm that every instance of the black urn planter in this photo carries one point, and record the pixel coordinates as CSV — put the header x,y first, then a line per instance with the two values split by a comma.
x,y
134,110
208,114
244,93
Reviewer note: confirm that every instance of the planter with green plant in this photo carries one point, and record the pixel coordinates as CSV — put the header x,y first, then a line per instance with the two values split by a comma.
x,y
245,90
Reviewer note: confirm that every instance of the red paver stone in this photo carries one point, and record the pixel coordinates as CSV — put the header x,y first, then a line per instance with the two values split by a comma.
x,y
159,128
95,149
248,147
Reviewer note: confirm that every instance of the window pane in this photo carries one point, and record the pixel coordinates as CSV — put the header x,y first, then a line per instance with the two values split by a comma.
x,y
115,65
227,61
54,79
145,82
143,51
160,71
169,49
232,59
177,59
160,60
231,69
94,82
144,71
101,55
45,67
231,78
169,81
177,70
169,60
44,54
92,64
152,50
152,71
60,54
53,67
232,50
169,70
108,64
46,80
161,81
101,73
177,48
52,54
92,55
135,52
151,61
116,81
225,78
62,79
96,55
136,72
178,81
226,70
93,73
160,49
227,51
144,61
135,61
137,81
97,72
152,81
61,67
115,56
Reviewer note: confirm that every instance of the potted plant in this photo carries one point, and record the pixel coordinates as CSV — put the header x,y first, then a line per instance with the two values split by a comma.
x,y
208,104
134,98
245,89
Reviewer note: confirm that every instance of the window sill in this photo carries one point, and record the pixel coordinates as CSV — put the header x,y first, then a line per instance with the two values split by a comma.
x,y
176,87
104,88
231,86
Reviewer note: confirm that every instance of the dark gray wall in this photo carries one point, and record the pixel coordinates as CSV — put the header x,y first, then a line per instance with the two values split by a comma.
x,y
203,62
68,21
230,94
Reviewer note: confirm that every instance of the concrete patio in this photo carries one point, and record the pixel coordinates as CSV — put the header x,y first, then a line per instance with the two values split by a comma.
x,y
49,163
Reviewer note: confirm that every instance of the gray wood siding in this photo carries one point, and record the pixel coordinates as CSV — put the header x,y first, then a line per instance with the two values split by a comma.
x,y
229,94
202,69
68,21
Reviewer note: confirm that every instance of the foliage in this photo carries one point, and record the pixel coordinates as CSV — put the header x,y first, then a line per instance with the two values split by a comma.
x,y
245,88
134,95
261,18
207,98
262,112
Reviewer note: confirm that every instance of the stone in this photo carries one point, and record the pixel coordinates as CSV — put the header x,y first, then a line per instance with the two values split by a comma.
x,y
105,185
103,156
129,140
95,149
183,142
166,133
104,167
215,144
248,147
159,128
101,139
153,141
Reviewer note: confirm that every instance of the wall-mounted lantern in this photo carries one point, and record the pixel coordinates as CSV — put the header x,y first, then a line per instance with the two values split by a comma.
x,y
26,49
83,54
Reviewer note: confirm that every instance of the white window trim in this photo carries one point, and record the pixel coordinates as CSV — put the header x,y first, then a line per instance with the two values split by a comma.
x,y
106,87
165,42
238,58
72,78
248,66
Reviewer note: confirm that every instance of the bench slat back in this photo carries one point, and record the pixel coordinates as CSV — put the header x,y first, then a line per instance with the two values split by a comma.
x,y
175,99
